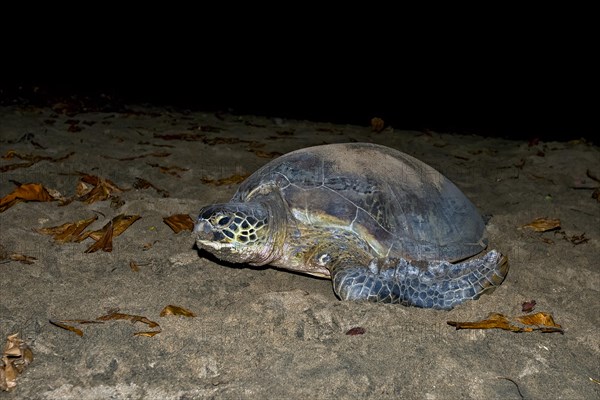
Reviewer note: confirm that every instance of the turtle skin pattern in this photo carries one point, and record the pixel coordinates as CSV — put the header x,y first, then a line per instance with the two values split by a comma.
x,y
441,285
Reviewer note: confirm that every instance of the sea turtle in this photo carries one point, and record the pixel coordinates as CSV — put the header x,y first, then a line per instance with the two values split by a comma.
x,y
384,226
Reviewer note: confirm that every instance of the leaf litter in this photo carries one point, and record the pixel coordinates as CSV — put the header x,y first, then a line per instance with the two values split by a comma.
x,y
115,315
73,231
16,357
176,310
543,224
179,222
540,321
30,158
24,193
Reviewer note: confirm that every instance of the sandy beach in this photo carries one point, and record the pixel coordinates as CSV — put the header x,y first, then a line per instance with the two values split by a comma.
x,y
265,333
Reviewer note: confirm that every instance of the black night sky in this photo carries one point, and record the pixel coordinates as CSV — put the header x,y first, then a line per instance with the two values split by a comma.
x,y
518,96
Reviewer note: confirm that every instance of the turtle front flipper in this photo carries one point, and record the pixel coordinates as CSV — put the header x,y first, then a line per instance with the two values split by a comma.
x,y
440,285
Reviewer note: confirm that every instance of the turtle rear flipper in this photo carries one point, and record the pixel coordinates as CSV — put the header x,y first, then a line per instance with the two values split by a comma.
x,y
440,285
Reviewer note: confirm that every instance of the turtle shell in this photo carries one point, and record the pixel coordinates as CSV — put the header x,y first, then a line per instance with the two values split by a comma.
x,y
399,205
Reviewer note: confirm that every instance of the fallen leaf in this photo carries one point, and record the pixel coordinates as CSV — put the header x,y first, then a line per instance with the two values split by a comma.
x,y
176,310
147,333
377,124
102,191
32,159
141,183
22,258
528,306
155,154
577,239
527,323
543,224
116,202
25,192
67,327
231,180
92,188
179,222
222,140
169,170
266,154
82,189
68,232
119,224
113,315
105,241
17,355
128,317
188,137
357,330
134,266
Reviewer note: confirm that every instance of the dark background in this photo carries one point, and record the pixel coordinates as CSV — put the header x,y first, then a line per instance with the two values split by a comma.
x,y
520,76
537,110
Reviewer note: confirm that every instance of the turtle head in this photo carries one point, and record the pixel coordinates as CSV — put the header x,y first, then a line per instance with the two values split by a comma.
x,y
235,232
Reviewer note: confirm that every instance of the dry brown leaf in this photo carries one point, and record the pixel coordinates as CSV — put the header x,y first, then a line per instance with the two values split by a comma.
x,y
15,358
119,224
68,232
100,192
102,189
231,180
147,333
25,192
179,222
128,317
223,140
577,239
170,170
543,224
527,323
32,159
12,167
266,154
60,324
141,183
377,124
155,154
82,321
104,242
82,189
113,315
22,258
176,310
134,266
188,137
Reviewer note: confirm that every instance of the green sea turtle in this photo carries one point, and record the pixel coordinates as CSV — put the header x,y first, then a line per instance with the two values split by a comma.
x,y
384,226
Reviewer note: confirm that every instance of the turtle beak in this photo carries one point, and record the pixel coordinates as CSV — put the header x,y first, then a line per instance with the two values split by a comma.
x,y
203,230
208,237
